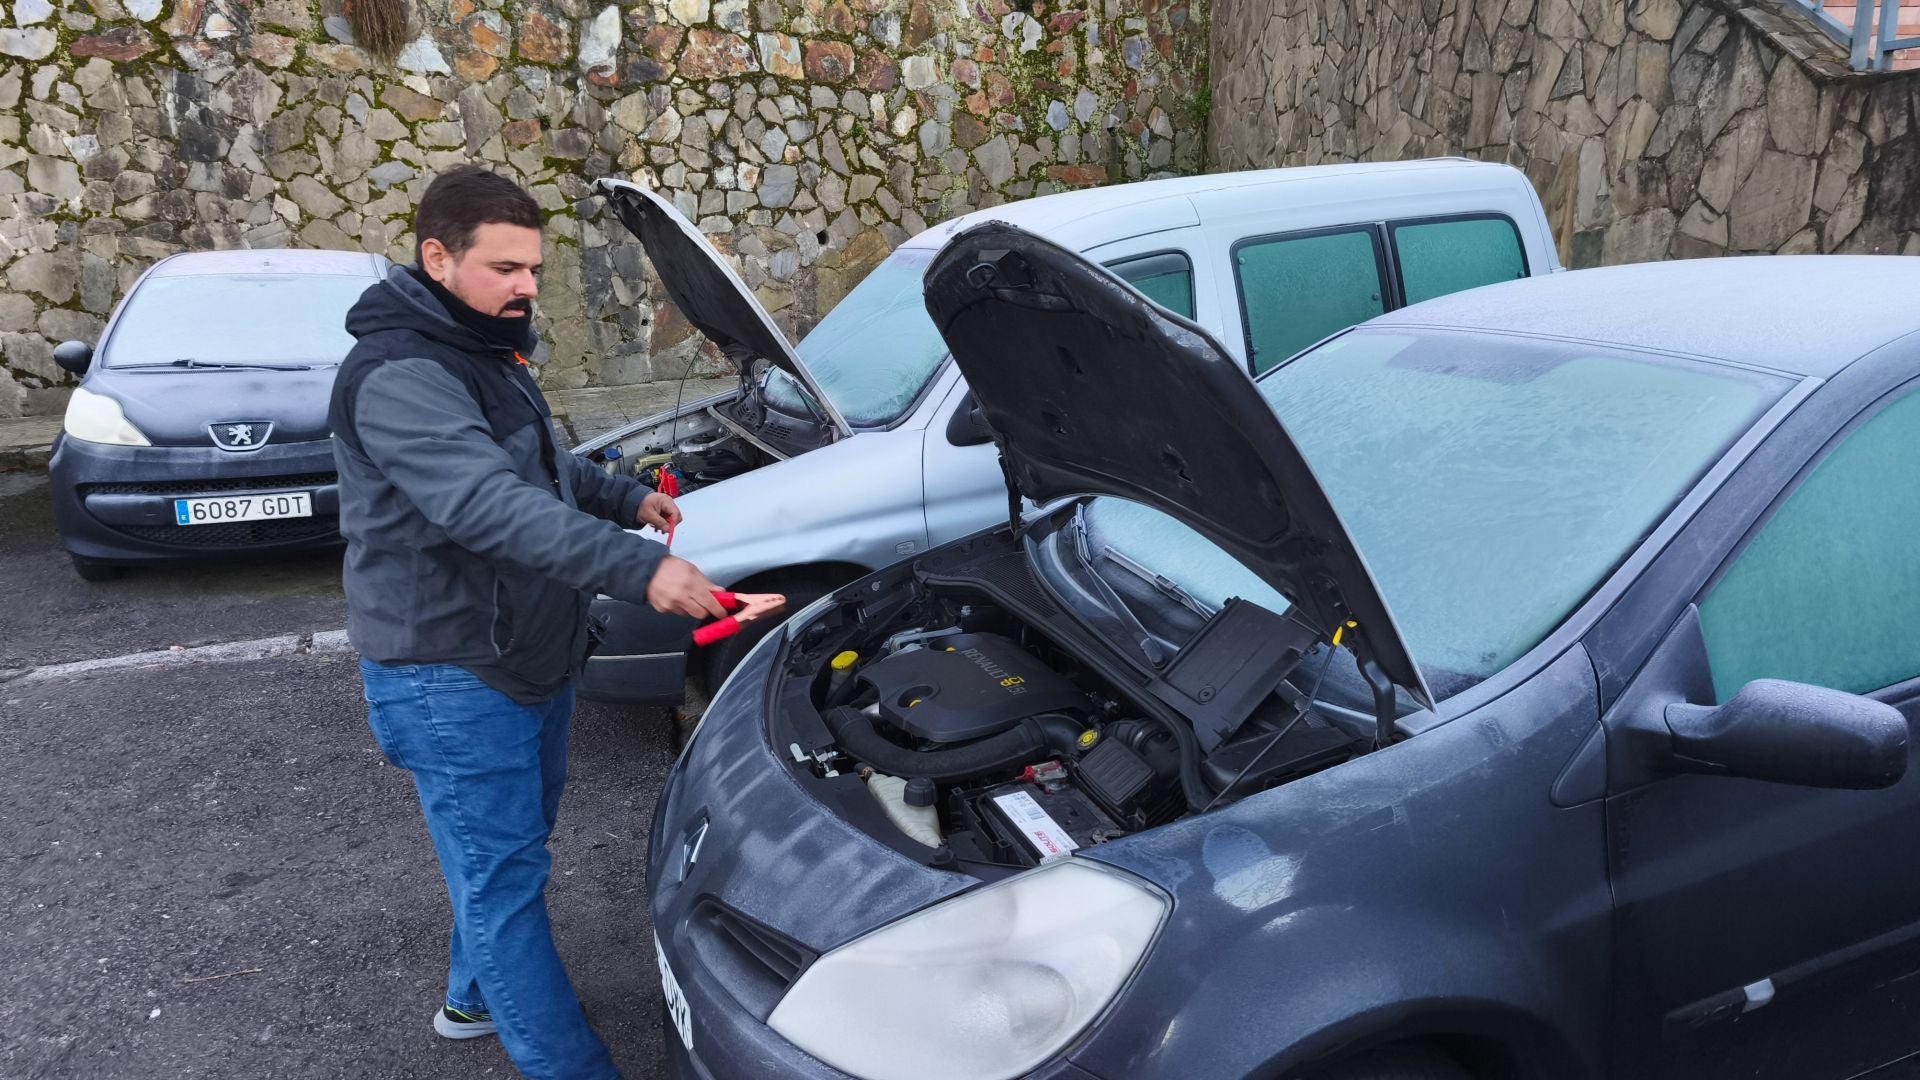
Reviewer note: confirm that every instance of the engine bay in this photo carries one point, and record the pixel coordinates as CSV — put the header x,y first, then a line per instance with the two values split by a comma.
x,y
699,448
943,711
767,419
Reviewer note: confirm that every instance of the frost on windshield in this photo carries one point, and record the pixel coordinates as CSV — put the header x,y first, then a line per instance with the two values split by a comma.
x,y
876,349
1489,484
252,319
1147,536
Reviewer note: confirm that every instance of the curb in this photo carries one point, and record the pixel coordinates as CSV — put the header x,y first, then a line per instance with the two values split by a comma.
x,y
22,458
322,643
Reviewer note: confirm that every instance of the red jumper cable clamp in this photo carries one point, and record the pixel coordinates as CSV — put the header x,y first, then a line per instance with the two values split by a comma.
x,y
746,607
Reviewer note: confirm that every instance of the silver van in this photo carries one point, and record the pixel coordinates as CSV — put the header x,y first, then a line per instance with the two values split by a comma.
x,y
861,445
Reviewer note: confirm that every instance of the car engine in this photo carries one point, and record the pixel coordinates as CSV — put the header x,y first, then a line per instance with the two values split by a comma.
x,y
943,712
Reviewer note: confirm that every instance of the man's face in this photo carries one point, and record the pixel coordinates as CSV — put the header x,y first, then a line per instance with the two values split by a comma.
x,y
498,274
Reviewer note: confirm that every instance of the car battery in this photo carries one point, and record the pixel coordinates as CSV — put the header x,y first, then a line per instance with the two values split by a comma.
x,y
1033,822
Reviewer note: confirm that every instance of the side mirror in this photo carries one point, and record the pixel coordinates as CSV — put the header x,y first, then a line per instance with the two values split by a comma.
x,y
968,427
1791,733
74,356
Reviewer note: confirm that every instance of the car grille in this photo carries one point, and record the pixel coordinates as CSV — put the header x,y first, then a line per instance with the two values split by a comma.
x,y
753,963
208,487
237,533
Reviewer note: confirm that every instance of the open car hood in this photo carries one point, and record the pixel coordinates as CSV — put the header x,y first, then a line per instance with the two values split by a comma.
x,y
706,289
1092,389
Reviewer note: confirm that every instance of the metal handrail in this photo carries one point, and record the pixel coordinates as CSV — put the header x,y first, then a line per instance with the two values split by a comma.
x,y
1866,49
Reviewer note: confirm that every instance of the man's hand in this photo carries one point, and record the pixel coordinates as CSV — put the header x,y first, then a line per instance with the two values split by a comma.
x,y
659,511
679,588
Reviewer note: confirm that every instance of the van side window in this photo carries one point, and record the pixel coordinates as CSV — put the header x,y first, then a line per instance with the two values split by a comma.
x,y
1440,257
1297,289
1166,279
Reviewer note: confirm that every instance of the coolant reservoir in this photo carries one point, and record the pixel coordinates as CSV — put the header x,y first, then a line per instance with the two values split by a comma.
x,y
920,822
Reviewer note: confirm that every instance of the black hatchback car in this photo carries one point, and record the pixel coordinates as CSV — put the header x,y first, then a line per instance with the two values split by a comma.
x,y
1517,686
200,427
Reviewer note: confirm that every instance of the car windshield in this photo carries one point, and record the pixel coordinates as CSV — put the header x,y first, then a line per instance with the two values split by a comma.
x,y
236,319
1490,483
877,348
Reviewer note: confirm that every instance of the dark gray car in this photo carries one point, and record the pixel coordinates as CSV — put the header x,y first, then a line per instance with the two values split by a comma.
x,y
200,427
1592,766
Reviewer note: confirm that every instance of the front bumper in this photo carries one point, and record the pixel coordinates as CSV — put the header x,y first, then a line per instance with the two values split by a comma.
x,y
749,879
115,503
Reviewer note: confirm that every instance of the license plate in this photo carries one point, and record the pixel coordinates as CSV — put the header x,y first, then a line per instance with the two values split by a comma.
x,y
676,1001
219,509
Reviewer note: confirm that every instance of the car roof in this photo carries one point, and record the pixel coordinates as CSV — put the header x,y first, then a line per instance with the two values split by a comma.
x,y
1093,216
1808,315
272,261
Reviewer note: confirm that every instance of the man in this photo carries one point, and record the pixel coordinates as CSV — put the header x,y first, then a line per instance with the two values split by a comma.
x,y
473,549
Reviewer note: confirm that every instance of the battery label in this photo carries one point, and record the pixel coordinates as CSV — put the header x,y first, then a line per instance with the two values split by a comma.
x,y
1028,817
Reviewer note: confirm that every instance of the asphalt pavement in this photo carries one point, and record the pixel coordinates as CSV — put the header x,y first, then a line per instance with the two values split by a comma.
x,y
211,872
49,616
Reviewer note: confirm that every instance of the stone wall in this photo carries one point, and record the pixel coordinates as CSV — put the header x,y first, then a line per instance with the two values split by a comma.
x,y
807,137
1652,129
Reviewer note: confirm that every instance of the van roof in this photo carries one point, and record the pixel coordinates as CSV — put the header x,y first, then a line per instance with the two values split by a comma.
x,y
1080,219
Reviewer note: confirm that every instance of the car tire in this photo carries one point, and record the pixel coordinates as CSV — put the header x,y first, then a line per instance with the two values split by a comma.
x,y
1397,1063
95,570
725,655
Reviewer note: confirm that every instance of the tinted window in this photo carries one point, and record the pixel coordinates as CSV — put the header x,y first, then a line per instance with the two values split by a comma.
x,y
261,319
1166,279
1441,257
1296,290
1827,591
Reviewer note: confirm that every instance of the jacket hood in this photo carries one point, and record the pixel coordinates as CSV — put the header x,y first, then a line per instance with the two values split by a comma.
x,y
402,303
1092,389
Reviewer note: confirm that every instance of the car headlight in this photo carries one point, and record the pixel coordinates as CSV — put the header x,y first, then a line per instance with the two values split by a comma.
x,y
97,418
987,985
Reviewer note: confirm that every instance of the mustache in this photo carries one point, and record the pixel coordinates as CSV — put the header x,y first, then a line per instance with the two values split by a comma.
x,y
523,307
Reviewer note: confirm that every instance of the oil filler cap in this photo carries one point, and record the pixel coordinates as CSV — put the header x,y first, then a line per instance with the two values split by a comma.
x,y
919,791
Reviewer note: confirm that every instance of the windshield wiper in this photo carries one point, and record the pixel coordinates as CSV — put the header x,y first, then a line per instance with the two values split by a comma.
x,y
190,362
1148,645
1164,585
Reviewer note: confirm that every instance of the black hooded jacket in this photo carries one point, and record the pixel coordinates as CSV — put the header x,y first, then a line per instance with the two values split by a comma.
x,y
471,540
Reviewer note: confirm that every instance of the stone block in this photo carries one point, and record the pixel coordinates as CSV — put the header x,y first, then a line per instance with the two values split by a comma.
x,y
715,54
121,44
1773,204
411,104
36,43
829,61
53,275
543,40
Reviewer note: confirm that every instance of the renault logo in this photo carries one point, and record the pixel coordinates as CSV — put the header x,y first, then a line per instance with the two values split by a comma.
x,y
240,435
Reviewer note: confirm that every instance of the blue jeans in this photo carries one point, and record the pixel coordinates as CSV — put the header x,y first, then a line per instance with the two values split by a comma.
x,y
489,772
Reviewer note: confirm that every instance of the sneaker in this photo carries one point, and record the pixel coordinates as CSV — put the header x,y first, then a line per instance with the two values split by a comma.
x,y
451,1023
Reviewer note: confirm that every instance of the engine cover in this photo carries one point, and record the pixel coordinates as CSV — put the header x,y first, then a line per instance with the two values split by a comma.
x,y
967,686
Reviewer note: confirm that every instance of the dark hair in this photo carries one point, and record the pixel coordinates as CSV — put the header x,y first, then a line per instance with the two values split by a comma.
x,y
464,198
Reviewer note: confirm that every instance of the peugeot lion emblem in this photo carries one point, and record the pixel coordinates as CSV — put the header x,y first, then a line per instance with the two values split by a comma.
x,y
240,435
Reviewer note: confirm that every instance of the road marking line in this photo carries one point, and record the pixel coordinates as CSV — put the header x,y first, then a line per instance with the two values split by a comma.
x,y
323,643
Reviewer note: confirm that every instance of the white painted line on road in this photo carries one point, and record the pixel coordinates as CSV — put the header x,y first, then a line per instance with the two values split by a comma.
x,y
325,642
